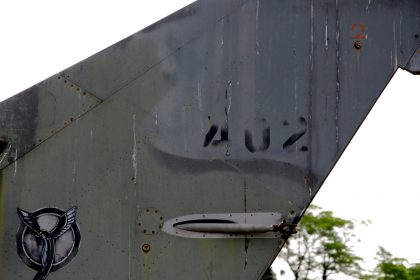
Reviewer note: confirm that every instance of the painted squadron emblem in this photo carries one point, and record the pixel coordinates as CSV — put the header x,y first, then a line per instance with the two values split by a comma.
x,y
47,239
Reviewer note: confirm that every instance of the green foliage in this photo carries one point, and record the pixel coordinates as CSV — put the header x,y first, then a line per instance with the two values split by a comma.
x,y
392,268
414,272
320,248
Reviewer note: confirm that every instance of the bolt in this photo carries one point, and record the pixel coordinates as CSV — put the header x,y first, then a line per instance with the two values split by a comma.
x,y
358,45
146,248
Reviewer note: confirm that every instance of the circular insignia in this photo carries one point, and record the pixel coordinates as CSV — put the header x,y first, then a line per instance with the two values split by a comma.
x,y
48,238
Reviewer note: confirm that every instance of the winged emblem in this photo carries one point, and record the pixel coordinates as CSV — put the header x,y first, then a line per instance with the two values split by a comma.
x,y
47,237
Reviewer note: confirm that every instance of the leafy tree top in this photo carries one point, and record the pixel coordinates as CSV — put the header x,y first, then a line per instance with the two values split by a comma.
x,y
321,247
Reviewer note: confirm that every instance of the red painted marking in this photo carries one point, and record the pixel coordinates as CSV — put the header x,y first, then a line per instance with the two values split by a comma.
x,y
361,35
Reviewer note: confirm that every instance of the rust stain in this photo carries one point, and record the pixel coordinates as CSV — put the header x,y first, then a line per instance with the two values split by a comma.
x,y
206,250
149,266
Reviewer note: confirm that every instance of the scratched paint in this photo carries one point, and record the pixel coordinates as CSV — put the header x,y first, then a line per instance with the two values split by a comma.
x,y
134,154
16,163
173,79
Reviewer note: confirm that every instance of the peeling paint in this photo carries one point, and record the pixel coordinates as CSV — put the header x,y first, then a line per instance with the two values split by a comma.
x,y
225,130
257,43
395,46
295,107
74,172
228,98
15,163
368,5
326,32
91,136
134,155
401,32
199,98
311,58
337,96
246,240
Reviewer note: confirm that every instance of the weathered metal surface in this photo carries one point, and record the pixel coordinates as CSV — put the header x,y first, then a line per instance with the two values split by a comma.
x,y
31,117
223,107
413,65
186,226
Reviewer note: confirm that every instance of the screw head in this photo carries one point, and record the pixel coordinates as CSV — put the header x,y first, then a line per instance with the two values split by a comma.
x,y
146,248
358,45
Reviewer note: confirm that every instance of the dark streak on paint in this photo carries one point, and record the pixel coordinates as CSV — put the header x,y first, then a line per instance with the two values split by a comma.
x,y
246,240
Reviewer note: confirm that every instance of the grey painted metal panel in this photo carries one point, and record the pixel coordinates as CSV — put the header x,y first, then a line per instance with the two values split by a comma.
x,y
413,65
135,55
224,107
31,117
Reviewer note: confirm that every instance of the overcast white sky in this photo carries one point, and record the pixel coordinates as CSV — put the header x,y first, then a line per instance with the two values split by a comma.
x,y
377,178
